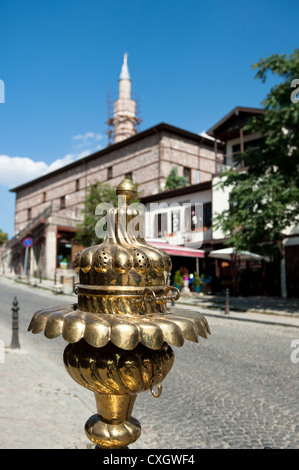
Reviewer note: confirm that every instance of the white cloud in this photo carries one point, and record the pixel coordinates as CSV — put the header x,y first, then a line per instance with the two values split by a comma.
x,y
18,170
87,138
69,158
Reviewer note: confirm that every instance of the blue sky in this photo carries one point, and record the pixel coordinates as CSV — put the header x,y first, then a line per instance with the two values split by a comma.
x,y
189,60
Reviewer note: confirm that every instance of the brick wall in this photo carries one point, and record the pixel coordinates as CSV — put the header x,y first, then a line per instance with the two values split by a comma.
x,y
149,159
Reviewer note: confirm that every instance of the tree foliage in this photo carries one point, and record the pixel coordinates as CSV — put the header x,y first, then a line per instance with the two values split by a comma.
x,y
264,198
3,237
97,193
174,181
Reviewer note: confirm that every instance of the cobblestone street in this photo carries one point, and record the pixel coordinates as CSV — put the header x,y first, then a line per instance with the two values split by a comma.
x,y
238,389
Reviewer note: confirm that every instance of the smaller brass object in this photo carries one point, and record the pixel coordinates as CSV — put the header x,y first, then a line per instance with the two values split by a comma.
x,y
120,330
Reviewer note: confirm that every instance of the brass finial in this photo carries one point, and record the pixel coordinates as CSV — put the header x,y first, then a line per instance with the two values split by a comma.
x,y
121,328
127,189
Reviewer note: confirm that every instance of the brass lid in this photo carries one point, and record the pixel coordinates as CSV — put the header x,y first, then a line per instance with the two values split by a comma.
x,y
122,293
124,264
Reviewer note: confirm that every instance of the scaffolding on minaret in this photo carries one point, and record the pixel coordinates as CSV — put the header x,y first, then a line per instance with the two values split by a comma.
x,y
109,122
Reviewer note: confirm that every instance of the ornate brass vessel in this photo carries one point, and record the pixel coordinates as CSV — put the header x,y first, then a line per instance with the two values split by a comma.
x,y
121,328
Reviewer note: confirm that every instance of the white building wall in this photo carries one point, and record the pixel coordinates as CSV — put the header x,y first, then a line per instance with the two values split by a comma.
x,y
220,203
182,206
51,244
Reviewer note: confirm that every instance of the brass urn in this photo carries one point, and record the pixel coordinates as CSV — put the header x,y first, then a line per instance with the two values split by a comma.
x,y
120,330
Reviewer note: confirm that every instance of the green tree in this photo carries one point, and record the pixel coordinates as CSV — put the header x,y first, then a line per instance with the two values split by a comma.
x,y
264,197
174,181
178,278
3,237
97,193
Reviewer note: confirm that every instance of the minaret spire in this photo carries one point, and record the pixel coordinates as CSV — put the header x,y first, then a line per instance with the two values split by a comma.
x,y
124,119
124,73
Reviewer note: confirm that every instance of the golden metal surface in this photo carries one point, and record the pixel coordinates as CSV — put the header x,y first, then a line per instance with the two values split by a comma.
x,y
124,259
116,377
124,331
121,328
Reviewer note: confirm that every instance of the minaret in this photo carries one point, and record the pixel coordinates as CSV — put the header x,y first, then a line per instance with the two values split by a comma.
x,y
124,118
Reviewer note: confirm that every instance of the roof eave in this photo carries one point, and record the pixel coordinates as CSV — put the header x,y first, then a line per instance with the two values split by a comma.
x,y
147,132
234,111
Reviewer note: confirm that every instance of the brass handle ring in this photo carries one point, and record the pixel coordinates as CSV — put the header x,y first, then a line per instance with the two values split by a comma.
x,y
172,294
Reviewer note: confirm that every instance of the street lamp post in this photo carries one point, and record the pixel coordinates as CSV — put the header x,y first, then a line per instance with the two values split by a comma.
x,y
121,329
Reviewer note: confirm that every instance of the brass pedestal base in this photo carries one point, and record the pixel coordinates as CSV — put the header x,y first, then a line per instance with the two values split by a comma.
x,y
116,376
112,435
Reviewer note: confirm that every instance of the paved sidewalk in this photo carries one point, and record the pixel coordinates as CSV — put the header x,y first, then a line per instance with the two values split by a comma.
x,y
274,311
269,305
58,287
34,397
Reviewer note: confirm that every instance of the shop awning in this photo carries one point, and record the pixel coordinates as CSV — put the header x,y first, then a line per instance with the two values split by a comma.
x,y
176,250
229,253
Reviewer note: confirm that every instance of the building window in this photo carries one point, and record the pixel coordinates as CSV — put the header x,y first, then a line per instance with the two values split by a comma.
x,y
197,176
29,214
194,218
207,214
254,145
109,173
175,221
44,196
236,150
187,174
77,185
62,202
160,225
129,176
159,220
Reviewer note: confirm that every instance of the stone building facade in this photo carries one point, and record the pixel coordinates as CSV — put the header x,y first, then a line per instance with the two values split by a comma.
x,y
49,208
